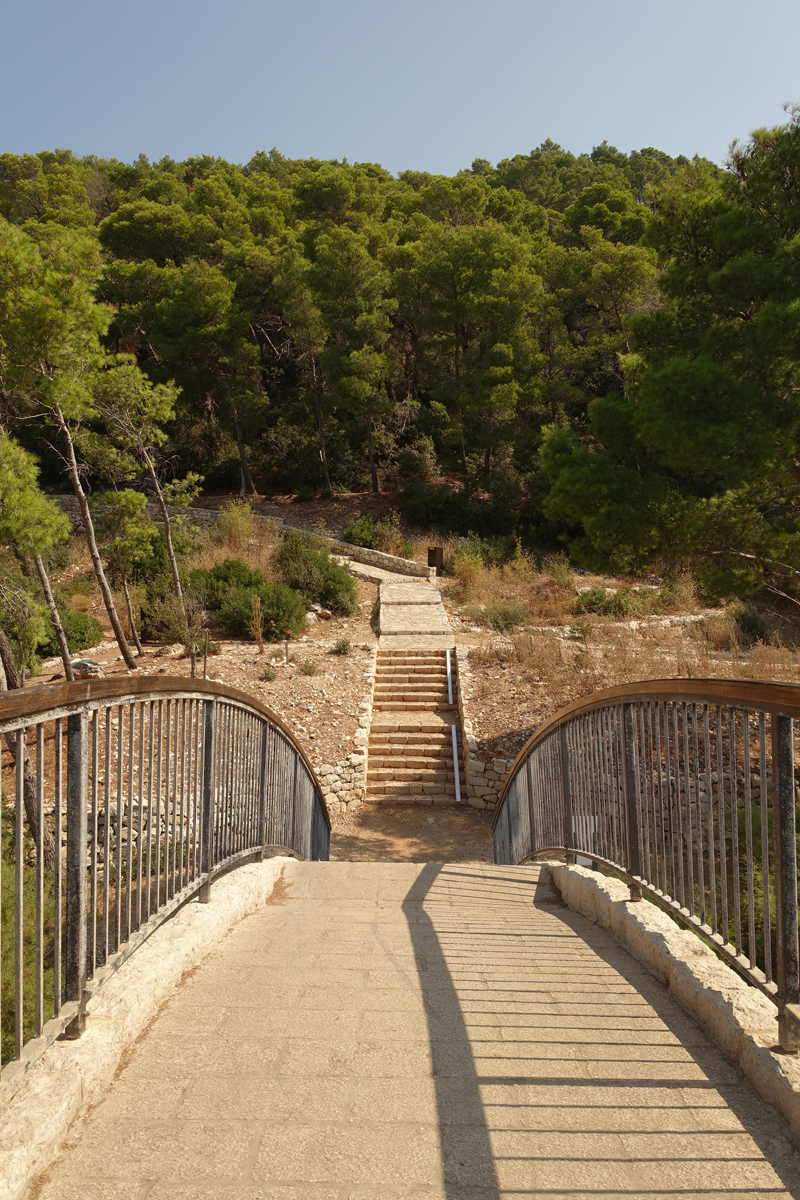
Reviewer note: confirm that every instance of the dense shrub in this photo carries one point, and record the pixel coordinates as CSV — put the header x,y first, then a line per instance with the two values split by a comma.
x,y
309,569
215,582
283,611
81,629
418,461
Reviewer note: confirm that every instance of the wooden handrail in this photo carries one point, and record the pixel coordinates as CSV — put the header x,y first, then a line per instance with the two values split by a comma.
x,y
16,705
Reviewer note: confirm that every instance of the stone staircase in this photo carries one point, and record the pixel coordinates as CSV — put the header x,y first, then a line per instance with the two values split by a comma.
x,y
410,755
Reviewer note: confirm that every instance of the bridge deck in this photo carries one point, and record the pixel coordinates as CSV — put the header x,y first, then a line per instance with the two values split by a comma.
x,y
397,1030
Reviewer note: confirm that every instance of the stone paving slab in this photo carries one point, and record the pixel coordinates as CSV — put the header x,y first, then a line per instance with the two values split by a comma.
x,y
403,1031
409,593
413,618
406,641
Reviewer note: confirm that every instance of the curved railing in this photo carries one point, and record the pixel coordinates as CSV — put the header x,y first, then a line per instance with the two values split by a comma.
x,y
123,799
685,788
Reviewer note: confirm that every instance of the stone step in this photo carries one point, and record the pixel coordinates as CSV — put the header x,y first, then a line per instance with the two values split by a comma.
x,y
412,658
408,693
411,788
387,674
409,799
401,731
431,748
412,705
409,775
410,761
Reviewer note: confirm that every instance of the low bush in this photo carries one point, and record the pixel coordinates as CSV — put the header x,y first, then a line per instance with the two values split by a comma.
x,y
307,567
501,616
283,612
342,646
81,630
378,533
603,603
752,625
268,675
309,668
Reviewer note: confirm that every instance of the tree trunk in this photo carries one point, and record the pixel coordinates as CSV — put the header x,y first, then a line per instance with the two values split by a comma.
x,y
10,678
250,487
323,457
91,541
131,622
173,561
373,470
59,628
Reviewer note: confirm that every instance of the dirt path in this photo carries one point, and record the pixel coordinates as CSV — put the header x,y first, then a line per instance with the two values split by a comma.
x,y
412,833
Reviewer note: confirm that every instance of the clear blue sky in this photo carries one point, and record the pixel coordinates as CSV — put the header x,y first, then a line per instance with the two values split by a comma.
x,y
427,84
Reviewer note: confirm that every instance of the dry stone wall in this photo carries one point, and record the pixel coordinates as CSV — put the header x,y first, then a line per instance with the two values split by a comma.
x,y
208,517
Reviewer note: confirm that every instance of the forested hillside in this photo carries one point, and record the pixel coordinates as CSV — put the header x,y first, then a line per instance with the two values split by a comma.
x,y
598,352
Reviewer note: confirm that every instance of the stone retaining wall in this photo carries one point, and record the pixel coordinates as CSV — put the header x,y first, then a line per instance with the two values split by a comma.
x,y
345,784
206,517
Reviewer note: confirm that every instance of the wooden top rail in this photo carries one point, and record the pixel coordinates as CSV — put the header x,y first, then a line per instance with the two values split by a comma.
x,y
58,699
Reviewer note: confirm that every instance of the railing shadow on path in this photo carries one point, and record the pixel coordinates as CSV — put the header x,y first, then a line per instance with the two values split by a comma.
x,y
563,1068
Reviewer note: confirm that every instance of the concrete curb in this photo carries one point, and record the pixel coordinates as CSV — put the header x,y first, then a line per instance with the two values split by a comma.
x,y
72,1076
741,1020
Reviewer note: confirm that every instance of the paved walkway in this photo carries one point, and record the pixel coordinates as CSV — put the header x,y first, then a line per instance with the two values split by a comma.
x,y
394,1030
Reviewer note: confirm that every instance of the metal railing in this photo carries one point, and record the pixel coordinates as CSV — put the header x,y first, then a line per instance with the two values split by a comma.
x,y
123,799
685,788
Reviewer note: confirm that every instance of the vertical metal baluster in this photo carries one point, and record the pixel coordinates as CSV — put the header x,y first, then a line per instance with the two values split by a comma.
x,y
77,832
687,780
129,856
163,821
787,962
198,712
93,845
120,823
701,875
735,876
140,820
633,861
670,830
157,819
661,809
149,863
175,787
681,897
765,843
723,841
606,844
57,881
19,851
566,790
209,787
655,774
646,779
184,706
748,830
712,864
39,1006
106,830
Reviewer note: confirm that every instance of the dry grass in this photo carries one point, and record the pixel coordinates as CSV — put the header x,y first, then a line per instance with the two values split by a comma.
x,y
257,550
602,656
